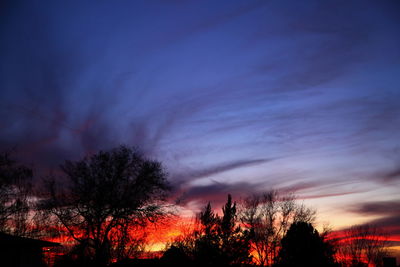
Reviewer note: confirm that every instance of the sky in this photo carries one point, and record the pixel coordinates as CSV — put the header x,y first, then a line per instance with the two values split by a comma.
x,y
232,97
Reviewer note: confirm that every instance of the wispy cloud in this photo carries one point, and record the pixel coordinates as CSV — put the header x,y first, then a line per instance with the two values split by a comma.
x,y
389,221
222,167
391,176
379,208
255,89
217,192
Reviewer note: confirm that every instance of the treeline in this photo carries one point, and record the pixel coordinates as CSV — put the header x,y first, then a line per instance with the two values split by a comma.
x,y
273,230
101,202
265,230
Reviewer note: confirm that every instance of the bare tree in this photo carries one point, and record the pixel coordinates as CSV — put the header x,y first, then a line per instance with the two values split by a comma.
x,y
105,196
128,241
267,217
15,189
363,245
186,242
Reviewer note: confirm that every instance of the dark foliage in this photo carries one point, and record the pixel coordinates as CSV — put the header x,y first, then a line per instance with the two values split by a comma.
x,y
235,244
219,241
107,193
267,217
175,256
207,249
15,187
302,246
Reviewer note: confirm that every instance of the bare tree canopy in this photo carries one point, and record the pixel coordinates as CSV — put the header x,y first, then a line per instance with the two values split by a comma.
x,y
267,217
15,187
363,245
107,193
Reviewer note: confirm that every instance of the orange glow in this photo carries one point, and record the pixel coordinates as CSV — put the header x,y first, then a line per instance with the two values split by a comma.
x,y
157,236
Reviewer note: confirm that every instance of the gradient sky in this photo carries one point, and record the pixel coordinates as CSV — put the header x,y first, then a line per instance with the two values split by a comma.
x,y
232,96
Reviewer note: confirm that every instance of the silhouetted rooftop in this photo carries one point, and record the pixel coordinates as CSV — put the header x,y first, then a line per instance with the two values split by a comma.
x,y
6,239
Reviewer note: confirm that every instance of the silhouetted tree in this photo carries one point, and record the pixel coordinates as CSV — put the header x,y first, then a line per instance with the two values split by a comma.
x,y
207,249
302,246
15,188
363,245
176,256
216,241
209,220
267,218
235,243
186,242
128,241
105,194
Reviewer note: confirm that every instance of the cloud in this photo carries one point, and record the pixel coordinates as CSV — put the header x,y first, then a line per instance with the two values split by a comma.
x,y
378,208
284,94
389,212
222,167
217,192
392,176
191,27
326,194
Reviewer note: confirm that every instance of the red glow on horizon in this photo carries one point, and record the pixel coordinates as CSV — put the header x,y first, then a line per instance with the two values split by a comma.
x,y
157,236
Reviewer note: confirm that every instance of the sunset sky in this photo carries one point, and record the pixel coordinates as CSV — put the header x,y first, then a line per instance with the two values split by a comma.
x,y
231,96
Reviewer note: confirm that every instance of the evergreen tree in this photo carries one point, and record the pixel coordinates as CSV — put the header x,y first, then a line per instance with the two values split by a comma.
x,y
303,246
222,242
207,251
235,243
